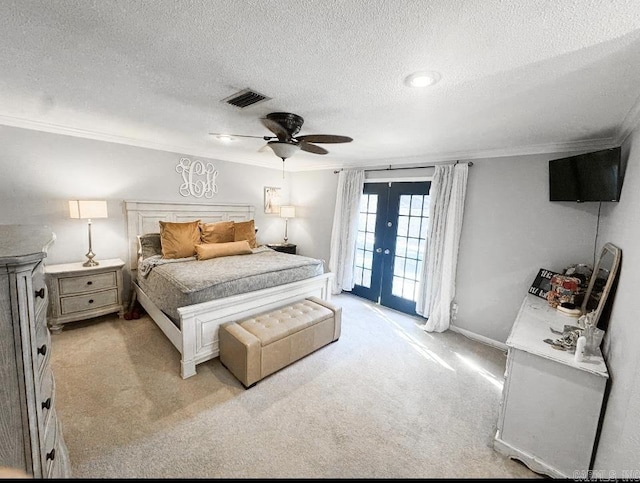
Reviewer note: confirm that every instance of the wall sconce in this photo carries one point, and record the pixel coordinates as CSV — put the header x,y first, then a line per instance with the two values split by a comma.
x,y
88,210
287,212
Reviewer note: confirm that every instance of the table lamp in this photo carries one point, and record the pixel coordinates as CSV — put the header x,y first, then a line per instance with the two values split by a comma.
x,y
88,210
287,212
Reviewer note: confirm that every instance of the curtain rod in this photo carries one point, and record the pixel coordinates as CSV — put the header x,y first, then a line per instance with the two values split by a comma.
x,y
470,163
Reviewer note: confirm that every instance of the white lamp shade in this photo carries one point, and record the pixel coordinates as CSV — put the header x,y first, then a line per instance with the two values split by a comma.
x,y
287,212
283,150
87,209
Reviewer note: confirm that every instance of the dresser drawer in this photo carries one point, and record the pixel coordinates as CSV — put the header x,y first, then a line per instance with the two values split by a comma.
x,y
80,303
39,287
59,466
46,396
43,346
49,450
87,283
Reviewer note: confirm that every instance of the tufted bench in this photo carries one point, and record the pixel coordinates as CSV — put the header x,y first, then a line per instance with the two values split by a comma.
x,y
260,345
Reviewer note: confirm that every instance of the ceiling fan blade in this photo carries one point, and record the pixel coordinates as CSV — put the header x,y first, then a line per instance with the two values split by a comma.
x,y
324,138
312,148
275,128
266,138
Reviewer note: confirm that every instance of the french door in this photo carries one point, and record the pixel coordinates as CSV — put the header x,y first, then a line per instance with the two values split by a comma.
x,y
392,233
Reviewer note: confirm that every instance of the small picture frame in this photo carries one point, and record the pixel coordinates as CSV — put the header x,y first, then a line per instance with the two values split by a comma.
x,y
272,199
542,283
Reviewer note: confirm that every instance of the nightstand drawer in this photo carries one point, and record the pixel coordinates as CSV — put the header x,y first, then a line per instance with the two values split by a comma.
x,y
87,283
80,303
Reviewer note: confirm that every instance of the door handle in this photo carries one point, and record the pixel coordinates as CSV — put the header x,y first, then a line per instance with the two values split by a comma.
x,y
378,250
386,252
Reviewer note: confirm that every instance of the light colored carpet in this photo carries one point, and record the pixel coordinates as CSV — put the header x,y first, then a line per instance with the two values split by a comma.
x,y
387,400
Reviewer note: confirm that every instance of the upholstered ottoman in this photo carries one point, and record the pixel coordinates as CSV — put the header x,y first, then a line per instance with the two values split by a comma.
x,y
260,345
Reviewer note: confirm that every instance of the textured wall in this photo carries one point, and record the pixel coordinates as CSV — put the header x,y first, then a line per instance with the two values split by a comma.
x,y
41,172
510,231
619,448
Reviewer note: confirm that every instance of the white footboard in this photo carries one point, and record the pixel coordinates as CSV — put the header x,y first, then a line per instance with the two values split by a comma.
x,y
197,338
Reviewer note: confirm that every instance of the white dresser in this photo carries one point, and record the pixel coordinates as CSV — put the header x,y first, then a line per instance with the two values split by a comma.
x,y
550,404
30,433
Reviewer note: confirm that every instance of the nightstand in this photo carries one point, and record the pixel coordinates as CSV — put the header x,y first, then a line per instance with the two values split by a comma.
x,y
79,293
283,247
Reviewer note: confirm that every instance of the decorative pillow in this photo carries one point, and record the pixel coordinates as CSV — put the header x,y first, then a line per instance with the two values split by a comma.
x,y
246,230
219,232
150,245
179,240
205,251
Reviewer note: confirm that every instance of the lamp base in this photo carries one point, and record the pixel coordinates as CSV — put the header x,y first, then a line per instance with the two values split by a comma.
x,y
91,262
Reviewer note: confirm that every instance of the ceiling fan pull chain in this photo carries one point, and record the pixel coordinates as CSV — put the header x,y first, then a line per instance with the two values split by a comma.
x,y
282,168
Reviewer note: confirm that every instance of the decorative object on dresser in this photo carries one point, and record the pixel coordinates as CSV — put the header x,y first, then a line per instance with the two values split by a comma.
x,y
551,403
287,212
30,433
88,210
283,247
79,292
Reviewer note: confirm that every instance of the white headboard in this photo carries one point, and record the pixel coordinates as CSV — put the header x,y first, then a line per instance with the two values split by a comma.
x,y
143,217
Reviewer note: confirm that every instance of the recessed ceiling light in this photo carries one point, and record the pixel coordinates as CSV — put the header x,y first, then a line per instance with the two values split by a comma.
x,y
225,138
422,79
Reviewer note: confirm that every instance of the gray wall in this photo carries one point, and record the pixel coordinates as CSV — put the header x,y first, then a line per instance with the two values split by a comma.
x,y
619,448
510,231
42,171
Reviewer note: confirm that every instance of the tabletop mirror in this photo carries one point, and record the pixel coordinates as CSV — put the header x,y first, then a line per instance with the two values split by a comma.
x,y
604,274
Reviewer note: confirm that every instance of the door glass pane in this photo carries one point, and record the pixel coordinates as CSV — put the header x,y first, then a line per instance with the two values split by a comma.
x,y
403,225
414,226
401,246
410,243
365,240
396,288
416,205
405,204
398,266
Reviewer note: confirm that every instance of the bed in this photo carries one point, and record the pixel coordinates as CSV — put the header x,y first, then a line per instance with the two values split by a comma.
x,y
190,317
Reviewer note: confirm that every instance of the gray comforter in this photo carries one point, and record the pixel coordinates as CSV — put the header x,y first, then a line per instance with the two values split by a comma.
x,y
176,283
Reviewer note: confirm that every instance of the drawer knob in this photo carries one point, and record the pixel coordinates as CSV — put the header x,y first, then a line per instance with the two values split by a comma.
x,y
47,404
89,282
91,301
42,349
40,293
51,455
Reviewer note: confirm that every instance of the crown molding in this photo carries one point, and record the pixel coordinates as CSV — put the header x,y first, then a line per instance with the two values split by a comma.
x,y
630,123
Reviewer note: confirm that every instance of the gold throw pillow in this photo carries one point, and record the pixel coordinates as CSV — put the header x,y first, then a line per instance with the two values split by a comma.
x,y
219,232
178,240
205,251
246,230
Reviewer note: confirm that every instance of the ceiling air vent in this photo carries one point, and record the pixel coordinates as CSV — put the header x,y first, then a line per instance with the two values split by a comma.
x,y
245,98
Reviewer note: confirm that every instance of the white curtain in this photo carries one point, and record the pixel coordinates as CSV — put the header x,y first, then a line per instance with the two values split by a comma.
x,y
438,287
345,229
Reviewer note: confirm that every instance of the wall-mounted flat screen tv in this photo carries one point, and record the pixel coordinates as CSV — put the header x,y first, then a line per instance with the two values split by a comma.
x,y
587,177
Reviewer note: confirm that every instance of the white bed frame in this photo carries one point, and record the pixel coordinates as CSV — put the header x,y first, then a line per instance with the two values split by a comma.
x,y
197,337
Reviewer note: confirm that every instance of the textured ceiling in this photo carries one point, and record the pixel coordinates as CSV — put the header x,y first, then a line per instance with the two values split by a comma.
x,y
518,77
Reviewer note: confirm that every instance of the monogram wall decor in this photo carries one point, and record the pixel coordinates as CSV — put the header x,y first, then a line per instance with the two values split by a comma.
x,y
199,178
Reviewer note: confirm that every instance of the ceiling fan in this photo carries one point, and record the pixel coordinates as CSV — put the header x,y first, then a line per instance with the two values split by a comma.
x,y
285,143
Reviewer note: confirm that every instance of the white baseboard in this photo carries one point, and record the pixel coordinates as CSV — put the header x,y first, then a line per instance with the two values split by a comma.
x,y
479,338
